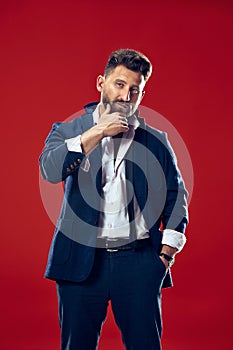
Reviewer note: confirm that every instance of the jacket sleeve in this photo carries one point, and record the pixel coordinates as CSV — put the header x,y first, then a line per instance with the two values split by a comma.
x,y
56,161
175,212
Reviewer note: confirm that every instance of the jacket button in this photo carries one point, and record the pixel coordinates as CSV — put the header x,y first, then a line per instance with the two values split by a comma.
x,y
79,160
75,163
71,166
68,169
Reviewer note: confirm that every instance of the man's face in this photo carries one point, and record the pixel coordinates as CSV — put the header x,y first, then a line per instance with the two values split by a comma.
x,y
122,89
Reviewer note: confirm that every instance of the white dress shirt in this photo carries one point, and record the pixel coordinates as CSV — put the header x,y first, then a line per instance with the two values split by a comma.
x,y
114,220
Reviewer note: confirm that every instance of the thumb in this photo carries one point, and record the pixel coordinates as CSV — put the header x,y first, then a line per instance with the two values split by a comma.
x,y
103,109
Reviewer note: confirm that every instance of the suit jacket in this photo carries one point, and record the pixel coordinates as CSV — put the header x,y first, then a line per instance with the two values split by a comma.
x,y
150,166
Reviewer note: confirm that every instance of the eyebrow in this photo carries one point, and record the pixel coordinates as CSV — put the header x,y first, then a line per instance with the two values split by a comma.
x,y
120,80
123,81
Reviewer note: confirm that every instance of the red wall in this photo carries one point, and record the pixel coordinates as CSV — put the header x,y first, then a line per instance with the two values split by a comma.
x,y
51,53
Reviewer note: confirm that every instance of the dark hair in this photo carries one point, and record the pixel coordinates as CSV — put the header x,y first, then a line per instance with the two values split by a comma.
x,y
131,59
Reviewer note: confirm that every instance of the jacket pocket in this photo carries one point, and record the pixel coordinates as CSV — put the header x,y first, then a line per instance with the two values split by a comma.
x,y
61,249
161,266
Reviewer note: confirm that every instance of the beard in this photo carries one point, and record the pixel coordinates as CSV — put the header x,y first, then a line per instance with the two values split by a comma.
x,y
126,109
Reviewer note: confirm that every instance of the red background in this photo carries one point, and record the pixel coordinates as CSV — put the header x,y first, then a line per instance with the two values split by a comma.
x,y
51,53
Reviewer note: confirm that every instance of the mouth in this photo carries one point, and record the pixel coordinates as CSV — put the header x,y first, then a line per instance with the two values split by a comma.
x,y
120,103
123,106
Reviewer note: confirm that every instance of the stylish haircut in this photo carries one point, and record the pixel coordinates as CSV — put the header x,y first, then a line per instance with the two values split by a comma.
x,y
131,59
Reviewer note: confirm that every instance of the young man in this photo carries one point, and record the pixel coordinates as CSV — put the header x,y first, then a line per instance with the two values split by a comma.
x,y
123,216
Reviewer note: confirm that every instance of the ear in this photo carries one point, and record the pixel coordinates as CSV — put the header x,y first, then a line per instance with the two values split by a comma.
x,y
143,94
100,82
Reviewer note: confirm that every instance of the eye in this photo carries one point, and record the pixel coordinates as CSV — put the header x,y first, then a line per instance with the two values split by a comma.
x,y
120,85
134,91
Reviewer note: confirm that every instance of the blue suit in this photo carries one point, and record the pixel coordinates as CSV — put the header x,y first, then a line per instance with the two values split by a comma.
x,y
86,277
157,183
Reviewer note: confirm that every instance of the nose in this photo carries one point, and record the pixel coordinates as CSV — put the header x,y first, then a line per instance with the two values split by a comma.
x,y
125,95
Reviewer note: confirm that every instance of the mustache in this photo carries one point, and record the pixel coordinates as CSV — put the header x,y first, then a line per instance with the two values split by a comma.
x,y
122,102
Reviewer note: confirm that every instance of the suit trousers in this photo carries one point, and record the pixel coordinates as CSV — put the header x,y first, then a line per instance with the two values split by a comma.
x,y
132,280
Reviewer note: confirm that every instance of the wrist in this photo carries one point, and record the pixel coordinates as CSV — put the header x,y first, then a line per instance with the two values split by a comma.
x,y
91,138
98,132
171,251
168,259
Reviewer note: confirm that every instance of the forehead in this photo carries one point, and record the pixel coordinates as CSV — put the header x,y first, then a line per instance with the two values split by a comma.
x,y
127,75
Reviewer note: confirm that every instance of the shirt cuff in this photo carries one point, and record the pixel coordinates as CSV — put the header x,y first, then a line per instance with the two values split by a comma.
x,y
74,145
174,239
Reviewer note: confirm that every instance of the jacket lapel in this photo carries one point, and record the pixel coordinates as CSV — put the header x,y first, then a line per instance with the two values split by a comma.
x,y
139,154
95,156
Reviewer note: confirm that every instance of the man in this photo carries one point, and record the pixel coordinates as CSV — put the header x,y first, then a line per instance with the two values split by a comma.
x,y
123,216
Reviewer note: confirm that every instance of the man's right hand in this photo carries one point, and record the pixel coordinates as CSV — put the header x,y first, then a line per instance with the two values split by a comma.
x,y
111,123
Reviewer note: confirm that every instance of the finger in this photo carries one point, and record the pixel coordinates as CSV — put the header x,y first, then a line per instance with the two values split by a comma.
x,y
104,108
101,108
122,118
123,121
124,128
107,109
